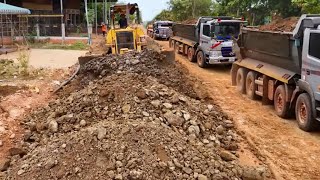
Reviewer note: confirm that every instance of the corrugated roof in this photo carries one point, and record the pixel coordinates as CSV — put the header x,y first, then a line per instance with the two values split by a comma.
x,y
9,9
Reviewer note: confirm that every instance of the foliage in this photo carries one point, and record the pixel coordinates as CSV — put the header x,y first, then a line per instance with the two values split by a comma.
x,y
23,62
255,11
308,6
185,9
164,15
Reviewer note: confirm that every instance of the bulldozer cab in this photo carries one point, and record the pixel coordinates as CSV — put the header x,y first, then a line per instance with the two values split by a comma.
x,y
128,10
130,38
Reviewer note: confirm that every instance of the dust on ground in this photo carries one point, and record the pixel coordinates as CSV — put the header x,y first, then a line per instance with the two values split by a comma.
x,y
290,153
279,24
135,116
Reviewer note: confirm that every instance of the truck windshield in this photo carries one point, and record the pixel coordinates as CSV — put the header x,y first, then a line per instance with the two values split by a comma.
x,y
164,25
227,30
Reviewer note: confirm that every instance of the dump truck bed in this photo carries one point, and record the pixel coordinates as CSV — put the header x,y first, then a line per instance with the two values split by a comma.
x,y
187,31
274,48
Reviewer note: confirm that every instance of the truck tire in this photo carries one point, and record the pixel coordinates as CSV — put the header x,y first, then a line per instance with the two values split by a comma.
x,y
191,54
241,80
251,86
176,48
304,116
201,60
280,105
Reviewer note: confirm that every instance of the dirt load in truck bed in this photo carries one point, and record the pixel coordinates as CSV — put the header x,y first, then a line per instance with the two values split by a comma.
x,y
131,116
283,25
190,21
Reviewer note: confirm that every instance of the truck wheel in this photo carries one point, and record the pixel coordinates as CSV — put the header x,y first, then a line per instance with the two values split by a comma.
x,y
191,54
304,113
201,60
241,80
251,86
280,105
176,48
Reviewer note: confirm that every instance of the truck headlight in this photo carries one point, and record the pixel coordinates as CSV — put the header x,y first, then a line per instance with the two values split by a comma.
x,y
214,54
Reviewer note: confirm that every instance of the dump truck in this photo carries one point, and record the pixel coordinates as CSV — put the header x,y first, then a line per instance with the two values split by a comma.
x,y
209,41
131,38
283,68
161,30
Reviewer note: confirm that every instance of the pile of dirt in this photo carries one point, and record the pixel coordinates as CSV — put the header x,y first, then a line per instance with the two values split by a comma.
x,y
98,45
132,118
190,21
283,25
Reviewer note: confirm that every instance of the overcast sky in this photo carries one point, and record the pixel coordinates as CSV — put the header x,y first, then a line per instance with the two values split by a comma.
x,y
149,8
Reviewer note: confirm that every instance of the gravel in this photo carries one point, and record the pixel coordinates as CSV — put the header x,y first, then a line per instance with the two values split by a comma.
x,y
145,122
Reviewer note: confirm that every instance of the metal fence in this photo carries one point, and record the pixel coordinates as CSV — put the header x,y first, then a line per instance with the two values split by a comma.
x,y
14,29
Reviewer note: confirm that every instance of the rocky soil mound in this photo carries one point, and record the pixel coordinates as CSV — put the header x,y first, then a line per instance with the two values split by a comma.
x,y
283,25
131,116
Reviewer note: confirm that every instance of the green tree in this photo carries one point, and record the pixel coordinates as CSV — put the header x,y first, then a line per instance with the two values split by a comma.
x,y
308,6
186,9
164,15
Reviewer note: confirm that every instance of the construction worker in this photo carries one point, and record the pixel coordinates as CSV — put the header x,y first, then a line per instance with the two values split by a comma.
x,y
103,29
123,21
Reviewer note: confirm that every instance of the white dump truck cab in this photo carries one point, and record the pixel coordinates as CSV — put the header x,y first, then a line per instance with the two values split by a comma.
x,y
212,40
217,40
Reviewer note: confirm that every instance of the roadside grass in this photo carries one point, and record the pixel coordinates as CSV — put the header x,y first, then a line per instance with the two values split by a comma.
x,y
20,69
45,45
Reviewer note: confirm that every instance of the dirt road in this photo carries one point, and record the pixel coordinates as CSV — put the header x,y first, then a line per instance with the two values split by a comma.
x,y
49,58
290,152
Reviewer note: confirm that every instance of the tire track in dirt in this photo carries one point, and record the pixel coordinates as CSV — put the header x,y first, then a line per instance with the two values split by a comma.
x,y
290,152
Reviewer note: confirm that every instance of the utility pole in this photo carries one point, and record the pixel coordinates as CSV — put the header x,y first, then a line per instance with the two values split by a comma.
x,y
89,27
63,29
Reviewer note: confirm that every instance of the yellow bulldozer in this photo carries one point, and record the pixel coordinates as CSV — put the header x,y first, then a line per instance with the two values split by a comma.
x,y
120,40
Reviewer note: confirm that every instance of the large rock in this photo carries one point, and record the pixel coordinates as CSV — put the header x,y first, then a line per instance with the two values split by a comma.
x,y
101,133
53,126
173,119
141,94
17,151
227,156
4,164
167,105
202,177
251,173
126,108
194,129
220,129
156,103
